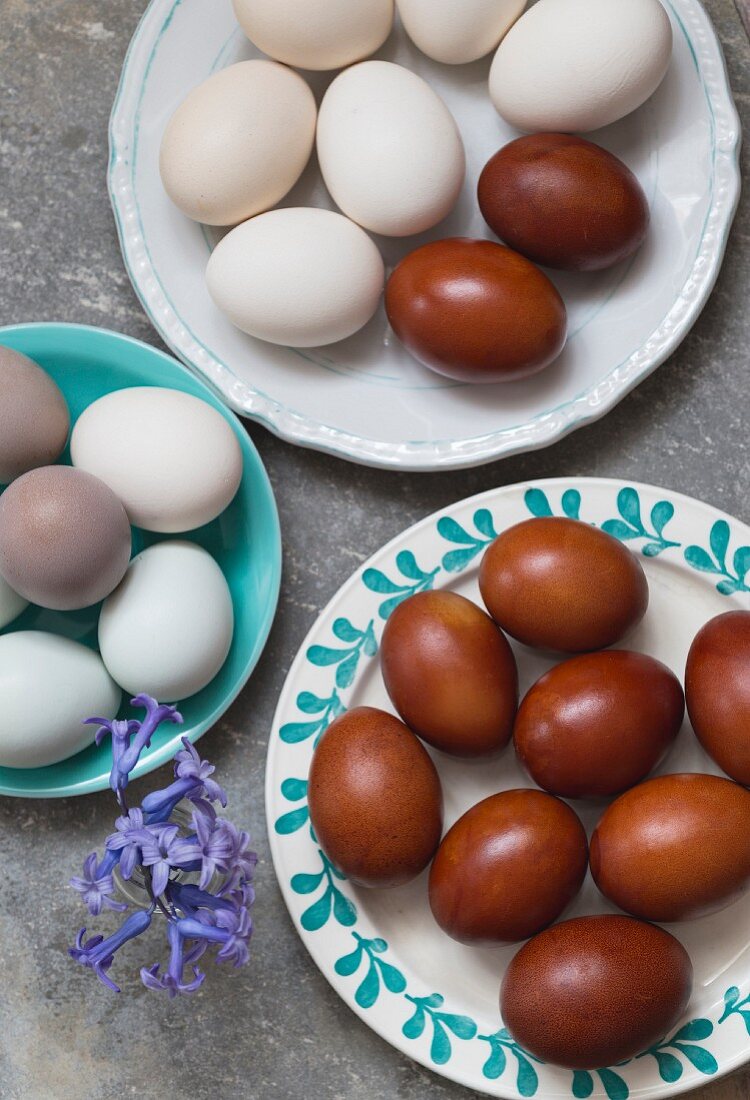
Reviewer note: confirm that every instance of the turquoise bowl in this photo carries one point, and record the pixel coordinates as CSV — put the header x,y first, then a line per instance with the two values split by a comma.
x,y
87,363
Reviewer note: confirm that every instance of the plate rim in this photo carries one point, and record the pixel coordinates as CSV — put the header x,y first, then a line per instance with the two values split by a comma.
x,y
291,684
422,456
157,757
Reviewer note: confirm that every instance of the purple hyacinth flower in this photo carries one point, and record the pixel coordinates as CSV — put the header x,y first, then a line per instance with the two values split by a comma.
x,y
171,981
161,803
125,842
156,713
242,861
99,953
214,842
188,765
96,887
121,732
239,925
161,849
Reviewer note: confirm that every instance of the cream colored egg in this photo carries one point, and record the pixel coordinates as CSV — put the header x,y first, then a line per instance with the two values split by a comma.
x,y
577,65
389,149
299,277
316,34
48,685
185,469
238,143
458,31
167,629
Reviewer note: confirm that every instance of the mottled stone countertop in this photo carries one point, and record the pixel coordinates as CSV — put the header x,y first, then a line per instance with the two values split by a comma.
x,y
275,1029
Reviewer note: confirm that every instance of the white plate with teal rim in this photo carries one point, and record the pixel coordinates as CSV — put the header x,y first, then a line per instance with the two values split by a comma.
x,y
432,998
366,399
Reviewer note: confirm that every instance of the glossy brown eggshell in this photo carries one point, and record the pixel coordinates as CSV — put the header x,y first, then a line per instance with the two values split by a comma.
x,y
450,673
674,848
717,687
564,202
375,799
599,723
556,583
476,311
508,868
596,991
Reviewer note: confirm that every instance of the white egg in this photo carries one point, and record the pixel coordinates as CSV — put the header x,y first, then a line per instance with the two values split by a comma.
x,y
238,143
171,458
299,277
389,149
316,34
168,627
48,685
11,604
458,31
576,65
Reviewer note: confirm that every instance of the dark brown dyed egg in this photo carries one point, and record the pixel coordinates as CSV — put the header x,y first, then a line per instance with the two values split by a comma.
x,y
450,674
64,538
598,724
556,583
34,418
564,202
595,991
375,799
508,868
717,687
674,848
476,311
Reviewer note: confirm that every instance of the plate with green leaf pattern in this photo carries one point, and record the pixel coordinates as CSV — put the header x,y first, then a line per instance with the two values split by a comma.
x,y
430,997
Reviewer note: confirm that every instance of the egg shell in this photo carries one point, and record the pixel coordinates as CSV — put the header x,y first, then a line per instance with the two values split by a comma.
x,y
598,724
596,991
450,674
577,65
11,604
48,685
564,202
172,459
238,143
559,584
168,627
64,538
375,799
717,686
458,33
389,149
476,311
316,34
508,868
34,418
298,277
674,848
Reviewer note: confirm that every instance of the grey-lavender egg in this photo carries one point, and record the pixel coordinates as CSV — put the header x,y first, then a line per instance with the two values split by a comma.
x,y
64,538
34,419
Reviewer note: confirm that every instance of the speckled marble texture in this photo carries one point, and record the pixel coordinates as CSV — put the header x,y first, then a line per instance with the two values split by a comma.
x,y
276,1029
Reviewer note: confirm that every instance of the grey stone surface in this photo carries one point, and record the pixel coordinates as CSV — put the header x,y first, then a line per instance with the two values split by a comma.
x,y
275,1029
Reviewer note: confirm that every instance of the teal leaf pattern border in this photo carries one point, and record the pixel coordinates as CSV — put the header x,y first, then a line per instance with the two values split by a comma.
x,y
367,963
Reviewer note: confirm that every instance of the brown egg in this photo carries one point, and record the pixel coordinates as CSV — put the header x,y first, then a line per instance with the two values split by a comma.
x,y
450,674
34,418
717,687
476,311
564,202
598,724
560,584
596,991
64,538
375,799
674,848
508,868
